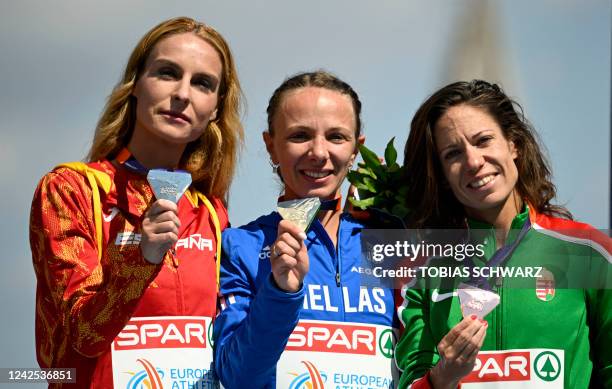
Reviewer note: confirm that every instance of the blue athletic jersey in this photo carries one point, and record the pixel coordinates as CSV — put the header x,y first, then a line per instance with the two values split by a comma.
x,y
331,331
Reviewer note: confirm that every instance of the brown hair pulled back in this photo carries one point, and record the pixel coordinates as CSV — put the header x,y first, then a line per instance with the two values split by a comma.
x,y
320,79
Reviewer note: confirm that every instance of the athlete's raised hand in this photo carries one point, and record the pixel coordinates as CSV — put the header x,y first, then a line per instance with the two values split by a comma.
x,y
458,351
160,229
288,257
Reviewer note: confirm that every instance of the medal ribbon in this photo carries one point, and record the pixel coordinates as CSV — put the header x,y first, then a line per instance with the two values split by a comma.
x,y
330,205
126,159
498,259
326,205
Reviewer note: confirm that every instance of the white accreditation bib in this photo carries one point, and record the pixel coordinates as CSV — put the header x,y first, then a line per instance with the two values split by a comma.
x,y
164,352
328,354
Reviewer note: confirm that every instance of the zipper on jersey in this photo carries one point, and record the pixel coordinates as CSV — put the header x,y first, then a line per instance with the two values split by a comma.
x,y
172,254
334,251
178,281
498,318
338,261
180,298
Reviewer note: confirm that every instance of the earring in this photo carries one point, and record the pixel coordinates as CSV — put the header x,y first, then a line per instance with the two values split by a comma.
x,y
274,166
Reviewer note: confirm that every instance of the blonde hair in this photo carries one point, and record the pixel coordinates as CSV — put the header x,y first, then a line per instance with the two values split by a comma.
x,y
212,158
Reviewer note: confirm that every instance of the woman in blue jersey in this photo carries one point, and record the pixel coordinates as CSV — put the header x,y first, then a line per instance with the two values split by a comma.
x,y
293,310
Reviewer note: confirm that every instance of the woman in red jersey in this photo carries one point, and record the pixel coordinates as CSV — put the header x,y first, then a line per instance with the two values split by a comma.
x,y
126,282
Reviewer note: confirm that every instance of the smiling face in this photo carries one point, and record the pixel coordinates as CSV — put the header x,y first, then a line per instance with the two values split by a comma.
x,y
177,92
314,141
477,160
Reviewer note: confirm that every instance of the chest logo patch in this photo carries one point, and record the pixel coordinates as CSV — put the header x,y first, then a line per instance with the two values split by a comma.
x,y
545,286
265,253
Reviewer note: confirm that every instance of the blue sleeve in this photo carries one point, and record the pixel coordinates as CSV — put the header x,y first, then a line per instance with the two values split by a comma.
x,y
255,321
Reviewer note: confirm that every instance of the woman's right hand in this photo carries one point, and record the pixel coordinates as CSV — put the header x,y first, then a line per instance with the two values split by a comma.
x,y
160,229
288,257
458,351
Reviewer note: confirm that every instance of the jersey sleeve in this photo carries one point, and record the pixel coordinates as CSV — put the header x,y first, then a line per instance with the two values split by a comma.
x,y
415,353
82,302
600,323
599,303
255,321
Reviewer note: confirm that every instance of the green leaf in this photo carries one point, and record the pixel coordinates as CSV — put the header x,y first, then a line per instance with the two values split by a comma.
x,y
363,187
380,185
363,204
367,172
390,153
369,157
354,177
393,168
370,184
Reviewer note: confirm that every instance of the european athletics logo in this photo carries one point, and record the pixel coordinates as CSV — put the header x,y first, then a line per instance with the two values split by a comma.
x,y
150,377
312,379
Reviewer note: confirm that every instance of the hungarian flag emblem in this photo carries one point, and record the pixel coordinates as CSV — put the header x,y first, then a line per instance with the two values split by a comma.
x,y
545,286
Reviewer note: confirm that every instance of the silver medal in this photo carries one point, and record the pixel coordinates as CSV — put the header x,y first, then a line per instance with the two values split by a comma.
x,y
476,301
169,185
300,212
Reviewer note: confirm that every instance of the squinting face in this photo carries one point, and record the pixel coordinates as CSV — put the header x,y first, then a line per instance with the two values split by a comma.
x,y
177,93
314,141
478,161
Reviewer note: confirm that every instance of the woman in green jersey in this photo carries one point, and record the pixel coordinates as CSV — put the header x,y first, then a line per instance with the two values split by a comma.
x,y
475,157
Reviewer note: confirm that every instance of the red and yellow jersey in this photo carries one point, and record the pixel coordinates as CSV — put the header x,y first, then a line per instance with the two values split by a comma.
x,y
85,297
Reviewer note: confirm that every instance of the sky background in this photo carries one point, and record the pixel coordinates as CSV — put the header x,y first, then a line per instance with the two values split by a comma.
x,y
61,59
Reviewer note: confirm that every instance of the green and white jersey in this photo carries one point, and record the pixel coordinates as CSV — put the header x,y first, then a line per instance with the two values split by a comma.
x,y
540,335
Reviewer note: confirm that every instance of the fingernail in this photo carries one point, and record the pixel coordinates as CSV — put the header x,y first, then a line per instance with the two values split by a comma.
x,y
486,323
473,317
302,235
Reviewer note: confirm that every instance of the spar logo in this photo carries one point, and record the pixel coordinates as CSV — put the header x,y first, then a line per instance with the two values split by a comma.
x,y
149,378
386,342
547,366
162,333
311,379
333,338
501,367
210,334
517,365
